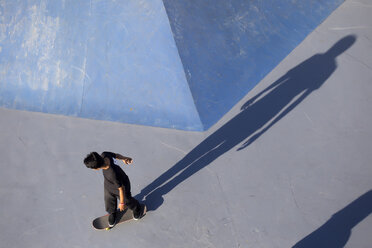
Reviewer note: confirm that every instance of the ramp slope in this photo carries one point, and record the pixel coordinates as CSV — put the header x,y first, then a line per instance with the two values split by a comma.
x,y
174,64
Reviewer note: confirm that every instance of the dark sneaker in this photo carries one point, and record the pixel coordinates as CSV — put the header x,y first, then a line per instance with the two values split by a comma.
x,y
112,220
142,213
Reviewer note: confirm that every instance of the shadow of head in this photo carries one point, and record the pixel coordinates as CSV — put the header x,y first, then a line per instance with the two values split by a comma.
x,y
341,46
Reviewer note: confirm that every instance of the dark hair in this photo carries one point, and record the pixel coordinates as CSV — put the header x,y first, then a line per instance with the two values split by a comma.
x,y
93,161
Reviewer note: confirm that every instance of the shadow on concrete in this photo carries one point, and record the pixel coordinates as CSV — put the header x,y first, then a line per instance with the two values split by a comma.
x,y
256,117
336,231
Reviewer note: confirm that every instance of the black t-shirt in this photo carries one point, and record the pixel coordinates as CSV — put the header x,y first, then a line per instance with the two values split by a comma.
x,y
114,177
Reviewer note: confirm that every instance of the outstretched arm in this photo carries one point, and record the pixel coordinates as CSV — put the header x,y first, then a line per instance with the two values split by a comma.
x,y
126,160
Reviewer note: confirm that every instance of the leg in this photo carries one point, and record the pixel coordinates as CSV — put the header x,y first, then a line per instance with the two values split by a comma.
x,y
110,202
133,205
131,202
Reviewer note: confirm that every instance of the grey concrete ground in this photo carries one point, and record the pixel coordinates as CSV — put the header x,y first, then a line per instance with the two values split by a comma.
x,y
293,168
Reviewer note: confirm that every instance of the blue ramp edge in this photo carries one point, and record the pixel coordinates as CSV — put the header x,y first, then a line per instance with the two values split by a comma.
x,y
107,60
227,47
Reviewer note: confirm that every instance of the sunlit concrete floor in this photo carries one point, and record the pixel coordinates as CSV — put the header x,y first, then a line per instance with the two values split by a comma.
x,y
289,165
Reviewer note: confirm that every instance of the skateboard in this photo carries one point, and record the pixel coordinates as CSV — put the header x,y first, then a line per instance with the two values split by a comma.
x,y
101,223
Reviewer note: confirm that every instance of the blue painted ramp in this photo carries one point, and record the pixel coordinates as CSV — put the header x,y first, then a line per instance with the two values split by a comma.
x,y
175,64
227,47
107,60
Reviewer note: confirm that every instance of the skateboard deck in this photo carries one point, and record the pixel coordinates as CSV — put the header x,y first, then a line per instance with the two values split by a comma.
x,y
101,223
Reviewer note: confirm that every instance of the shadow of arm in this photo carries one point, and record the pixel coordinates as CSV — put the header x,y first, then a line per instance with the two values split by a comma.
x,y
278,118
273,85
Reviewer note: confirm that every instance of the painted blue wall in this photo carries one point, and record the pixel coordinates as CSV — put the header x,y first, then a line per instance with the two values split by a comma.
x,y
227,47
172,63
107,60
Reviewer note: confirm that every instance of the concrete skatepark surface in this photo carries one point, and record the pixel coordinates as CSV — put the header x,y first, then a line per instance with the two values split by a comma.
x,y
287,166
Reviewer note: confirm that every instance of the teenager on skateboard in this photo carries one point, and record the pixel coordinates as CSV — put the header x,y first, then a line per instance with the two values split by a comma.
x,y
116,184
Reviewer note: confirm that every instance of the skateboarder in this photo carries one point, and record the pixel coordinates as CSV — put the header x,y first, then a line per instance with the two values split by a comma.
x,y
116,184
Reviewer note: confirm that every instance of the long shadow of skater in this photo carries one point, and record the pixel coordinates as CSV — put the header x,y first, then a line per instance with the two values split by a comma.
x,y
336,231
256,117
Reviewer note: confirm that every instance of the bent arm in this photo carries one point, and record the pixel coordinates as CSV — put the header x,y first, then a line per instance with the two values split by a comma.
x,y
126,160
